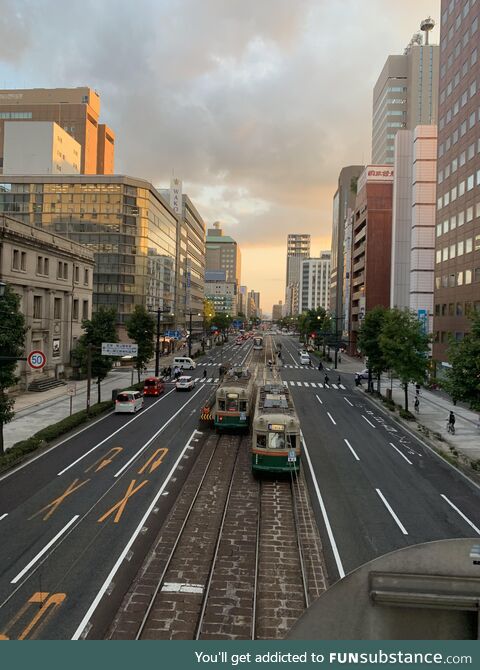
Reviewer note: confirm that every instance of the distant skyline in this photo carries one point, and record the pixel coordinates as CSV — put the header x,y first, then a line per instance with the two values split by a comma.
x,y
256,106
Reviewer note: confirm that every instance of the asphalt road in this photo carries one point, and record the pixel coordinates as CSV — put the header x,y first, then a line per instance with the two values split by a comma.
x,y
381,488
69,518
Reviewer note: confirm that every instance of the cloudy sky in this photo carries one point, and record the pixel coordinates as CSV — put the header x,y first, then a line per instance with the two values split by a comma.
x,y
255,104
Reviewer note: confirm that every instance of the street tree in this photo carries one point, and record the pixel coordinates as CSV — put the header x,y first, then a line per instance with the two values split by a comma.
x,y
141,329
404,347
222,321
100,328
208,313
369,343
463,378
12,339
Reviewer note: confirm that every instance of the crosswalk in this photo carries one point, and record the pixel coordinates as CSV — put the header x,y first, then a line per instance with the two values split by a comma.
x,y
302,367
316,385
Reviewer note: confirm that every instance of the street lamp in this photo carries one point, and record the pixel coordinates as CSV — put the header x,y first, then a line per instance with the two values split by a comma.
x,y
157,346
190,314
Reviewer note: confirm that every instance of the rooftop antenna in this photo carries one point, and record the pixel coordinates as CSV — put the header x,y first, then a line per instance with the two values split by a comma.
x,y
427,25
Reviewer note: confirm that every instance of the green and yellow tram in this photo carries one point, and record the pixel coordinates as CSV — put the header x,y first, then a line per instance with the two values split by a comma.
x,y
275,431
234,400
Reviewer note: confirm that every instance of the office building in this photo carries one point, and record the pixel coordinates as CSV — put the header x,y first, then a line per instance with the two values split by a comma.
x,y
298,249
457,236
54,278
343,327
371,245
277,312
126,223
405,95
222,293
39,147
315,282
413,222
222,253
343,200
76,110
242,300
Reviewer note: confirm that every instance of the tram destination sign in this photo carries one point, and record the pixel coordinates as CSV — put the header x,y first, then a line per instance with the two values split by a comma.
x,y
119,349
277,427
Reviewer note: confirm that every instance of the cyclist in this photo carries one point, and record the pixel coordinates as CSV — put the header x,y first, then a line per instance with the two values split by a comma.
x,y
451,423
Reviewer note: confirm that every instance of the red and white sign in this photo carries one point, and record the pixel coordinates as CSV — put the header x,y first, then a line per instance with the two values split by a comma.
x,y
36,360
375,173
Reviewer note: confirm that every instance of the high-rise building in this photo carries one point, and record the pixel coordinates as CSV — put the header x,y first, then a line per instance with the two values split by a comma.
x,y
371,245
39,147
413,222
222,253
315,282
76,110
405,96
343,200
457,240
277,312
242,300
126,223
222,293
298,249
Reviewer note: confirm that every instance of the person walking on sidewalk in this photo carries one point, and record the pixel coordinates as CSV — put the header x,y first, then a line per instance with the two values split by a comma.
x,y
417,404
451,423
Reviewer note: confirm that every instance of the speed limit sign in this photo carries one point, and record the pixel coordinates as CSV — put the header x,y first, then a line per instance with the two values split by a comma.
x,y
36,360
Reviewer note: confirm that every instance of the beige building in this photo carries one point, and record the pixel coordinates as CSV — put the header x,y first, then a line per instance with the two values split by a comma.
x,y
76,110
405,96
277,312
223,253
39,147
298,249
54,278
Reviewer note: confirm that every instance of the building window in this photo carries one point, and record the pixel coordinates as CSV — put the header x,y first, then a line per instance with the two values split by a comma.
x,y
57,308
16,260
75,310
77,274
85,309
37,306
468,276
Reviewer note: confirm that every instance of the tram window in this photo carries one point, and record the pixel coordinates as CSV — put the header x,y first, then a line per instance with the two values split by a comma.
x,y
243,406
276,441
221,405
231,405
261,441
291,441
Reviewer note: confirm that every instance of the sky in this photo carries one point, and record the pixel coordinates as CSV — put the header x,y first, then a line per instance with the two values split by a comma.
x,y
255,104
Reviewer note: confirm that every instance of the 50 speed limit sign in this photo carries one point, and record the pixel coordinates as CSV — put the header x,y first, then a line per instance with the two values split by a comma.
x,y
36,360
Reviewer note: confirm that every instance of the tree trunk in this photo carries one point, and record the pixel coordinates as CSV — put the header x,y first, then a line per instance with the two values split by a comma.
x,y
99,389
1,439
406,396
378,382
138,374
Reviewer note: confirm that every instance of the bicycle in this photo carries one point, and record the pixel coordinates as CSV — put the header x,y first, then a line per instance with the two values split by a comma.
x,y
450,428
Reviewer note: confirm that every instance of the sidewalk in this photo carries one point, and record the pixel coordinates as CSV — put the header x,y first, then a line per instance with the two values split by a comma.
x,y
34,411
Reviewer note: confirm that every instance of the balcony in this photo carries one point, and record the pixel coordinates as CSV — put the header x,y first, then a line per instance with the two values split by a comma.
x,y
359,251
359,279
360,265
360,236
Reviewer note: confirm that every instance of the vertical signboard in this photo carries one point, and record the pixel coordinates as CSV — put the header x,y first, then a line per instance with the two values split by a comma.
x,y
176,195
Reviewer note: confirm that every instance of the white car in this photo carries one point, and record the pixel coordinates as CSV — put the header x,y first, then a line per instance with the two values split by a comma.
x,y
128,402
364,374
185,383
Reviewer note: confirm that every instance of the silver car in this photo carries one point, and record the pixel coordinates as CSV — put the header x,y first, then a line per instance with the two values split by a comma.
x,y
185,383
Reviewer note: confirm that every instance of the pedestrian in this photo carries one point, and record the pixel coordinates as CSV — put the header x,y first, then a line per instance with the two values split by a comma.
x,y
451,423
205,374
320,366
339,380
417,403
417,388
358,380
326,380
339,358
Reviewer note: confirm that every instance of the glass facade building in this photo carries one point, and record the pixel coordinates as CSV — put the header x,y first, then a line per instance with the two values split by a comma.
x,y
123,220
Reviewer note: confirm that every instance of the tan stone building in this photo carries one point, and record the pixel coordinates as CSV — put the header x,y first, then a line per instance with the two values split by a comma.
x,y
54,278
76,110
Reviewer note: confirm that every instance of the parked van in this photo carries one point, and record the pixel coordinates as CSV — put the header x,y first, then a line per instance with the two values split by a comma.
x,y
304,359
184,362
153,386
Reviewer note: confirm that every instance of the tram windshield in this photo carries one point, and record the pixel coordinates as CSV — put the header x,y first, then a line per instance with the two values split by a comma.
x,y
276,440
232,402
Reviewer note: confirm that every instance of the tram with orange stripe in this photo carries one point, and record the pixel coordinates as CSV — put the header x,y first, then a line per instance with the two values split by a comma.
x,y
234,401
275,431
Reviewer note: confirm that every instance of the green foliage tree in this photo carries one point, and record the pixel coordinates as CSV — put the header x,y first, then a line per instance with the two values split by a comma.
x,y
12,339
463,378
369,343
141,329
404,347
100,328
208,313
222,321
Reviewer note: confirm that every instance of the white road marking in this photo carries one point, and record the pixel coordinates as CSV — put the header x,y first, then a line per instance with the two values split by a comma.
x,y
316,396
210,379
313,384
387,505
333,544
364,417
402,455
3,516
292,383
142,413
335,387
332,419
44,550
342,387
127,547
320,386
470,523
209,363
299,383
351,448
161,429
347,400
306,384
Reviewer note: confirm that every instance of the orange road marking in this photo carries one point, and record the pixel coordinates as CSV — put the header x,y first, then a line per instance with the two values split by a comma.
x,y
103,461
58,501
154,463
48,605
121,503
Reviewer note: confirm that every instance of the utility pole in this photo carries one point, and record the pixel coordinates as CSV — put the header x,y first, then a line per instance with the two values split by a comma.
x,y
89,375
157,347
190,336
